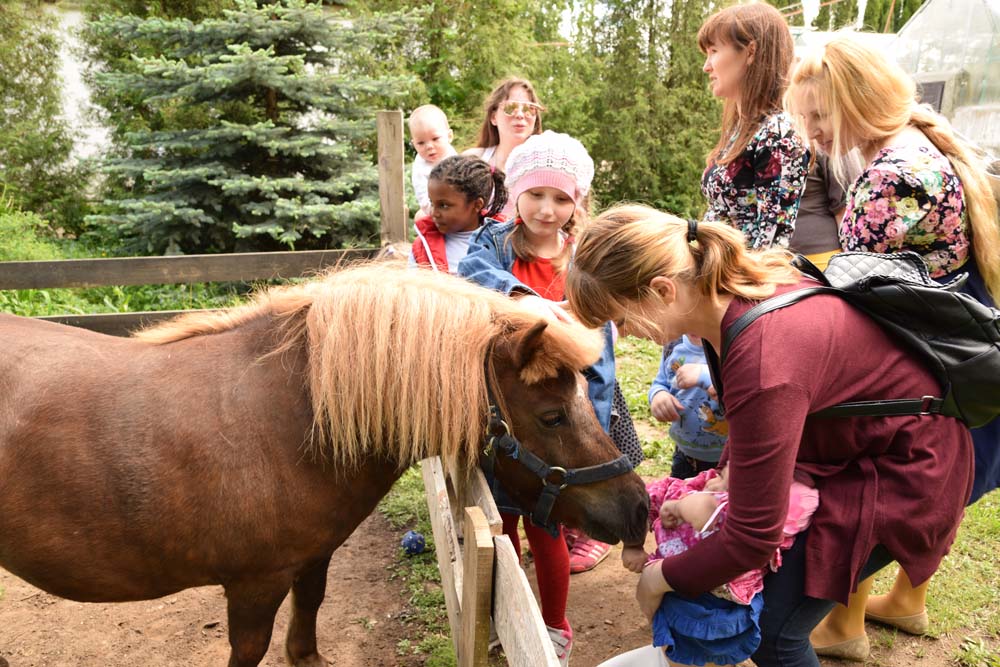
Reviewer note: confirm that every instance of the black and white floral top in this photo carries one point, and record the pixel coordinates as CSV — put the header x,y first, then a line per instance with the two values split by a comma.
x,y
758,192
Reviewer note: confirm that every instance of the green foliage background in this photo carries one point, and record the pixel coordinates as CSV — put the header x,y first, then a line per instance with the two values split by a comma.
x,y
35,142
623,76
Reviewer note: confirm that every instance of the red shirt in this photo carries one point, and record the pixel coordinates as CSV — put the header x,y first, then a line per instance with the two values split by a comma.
x,y
541,276
898,481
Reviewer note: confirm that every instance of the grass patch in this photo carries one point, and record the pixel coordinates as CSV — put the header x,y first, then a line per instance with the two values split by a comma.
x,y
638,362
405,507
975,653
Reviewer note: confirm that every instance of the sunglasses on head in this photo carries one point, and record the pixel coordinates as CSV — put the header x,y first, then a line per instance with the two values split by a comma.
x,y
526,108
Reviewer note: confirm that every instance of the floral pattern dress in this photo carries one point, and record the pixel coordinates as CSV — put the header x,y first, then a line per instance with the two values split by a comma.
x,y
909,198
759,192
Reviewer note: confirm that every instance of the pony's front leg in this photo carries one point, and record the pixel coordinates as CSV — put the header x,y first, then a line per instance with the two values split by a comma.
x,y
308,592
252,605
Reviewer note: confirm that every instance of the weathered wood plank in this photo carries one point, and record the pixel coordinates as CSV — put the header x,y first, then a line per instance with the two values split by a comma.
x,y
241,267
477,591
478,493
391,176
445,542
516,615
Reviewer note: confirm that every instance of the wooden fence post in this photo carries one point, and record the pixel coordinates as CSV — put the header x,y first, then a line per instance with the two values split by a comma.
x,y
391,192
477,590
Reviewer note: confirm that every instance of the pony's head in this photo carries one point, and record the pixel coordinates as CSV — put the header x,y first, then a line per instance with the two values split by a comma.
x,y
544,397
397,367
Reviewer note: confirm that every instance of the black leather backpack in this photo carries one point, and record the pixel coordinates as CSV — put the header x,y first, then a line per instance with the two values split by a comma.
x,y
956,336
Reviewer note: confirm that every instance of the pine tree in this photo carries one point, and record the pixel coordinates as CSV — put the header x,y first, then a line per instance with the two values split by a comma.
x,y
271,155
877,14
823,20
655,115
792,10
845,14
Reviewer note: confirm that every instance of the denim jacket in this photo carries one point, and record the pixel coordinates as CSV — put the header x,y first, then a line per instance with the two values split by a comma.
x,y
489,263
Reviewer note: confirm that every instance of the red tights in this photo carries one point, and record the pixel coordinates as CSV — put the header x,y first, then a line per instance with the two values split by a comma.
x,y
551,567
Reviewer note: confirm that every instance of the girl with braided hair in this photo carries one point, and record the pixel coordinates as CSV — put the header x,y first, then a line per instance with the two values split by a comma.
x,y
463,191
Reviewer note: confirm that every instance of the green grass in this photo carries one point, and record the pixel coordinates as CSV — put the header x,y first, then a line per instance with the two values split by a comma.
x,y
638,362
405,506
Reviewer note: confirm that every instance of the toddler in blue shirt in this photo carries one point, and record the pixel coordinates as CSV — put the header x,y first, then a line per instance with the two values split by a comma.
x,y
682,394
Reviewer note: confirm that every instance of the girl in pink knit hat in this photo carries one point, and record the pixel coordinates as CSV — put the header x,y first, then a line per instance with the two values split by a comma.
x,y
548,181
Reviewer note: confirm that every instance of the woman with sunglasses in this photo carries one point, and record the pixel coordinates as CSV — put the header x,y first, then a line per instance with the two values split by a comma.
x,y
756,173
513,113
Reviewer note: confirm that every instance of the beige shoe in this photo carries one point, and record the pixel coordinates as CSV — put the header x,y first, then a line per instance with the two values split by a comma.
x,y
914,624
855,650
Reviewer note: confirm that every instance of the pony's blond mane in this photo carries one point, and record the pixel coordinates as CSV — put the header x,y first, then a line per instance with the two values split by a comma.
x,y
396,357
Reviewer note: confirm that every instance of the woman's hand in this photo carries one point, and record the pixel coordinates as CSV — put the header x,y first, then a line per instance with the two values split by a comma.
x,y
651,588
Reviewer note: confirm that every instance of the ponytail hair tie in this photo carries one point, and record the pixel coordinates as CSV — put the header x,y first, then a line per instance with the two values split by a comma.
x,y
692,235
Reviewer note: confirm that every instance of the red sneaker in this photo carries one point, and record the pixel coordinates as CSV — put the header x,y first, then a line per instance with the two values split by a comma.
x,y
586,554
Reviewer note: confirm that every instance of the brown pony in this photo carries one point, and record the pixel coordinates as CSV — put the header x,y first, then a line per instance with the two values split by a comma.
x,y
242,448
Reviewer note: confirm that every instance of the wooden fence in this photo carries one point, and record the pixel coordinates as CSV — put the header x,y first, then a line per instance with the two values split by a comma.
x,y
480,571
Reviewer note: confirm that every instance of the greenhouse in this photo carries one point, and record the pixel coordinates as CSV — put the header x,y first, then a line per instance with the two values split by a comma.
x,y
952,48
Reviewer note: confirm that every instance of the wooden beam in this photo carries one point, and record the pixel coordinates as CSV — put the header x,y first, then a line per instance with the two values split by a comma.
x,y
242,267
391,176
117,324
479,494
477,590
446,544
515,613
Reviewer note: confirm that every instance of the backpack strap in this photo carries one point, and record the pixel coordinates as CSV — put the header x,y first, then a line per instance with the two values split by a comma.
x,y
925,405
764,307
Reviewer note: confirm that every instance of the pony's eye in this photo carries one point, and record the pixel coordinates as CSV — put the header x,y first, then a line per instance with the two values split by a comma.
x,y
552,419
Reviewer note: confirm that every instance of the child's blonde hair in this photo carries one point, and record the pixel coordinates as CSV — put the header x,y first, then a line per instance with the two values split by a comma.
x,y
869,99
624,248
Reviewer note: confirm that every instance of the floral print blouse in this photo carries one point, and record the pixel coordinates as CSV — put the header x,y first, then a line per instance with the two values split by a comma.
x,y
909,198
758,192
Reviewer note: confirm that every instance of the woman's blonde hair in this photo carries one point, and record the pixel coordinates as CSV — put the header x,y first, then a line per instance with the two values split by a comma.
x,y
761,27
625,247
869,99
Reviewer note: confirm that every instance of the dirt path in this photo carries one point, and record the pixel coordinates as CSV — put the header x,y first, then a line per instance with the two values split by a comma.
x,y
361,622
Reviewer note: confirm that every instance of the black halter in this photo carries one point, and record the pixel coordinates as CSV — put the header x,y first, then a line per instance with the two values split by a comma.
x,y
498,439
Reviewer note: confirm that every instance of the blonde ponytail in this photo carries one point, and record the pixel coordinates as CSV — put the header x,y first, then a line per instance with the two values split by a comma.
x,y
624,248
980,203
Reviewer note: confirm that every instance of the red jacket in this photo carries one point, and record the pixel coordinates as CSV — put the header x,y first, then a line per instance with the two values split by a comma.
x,y
428,247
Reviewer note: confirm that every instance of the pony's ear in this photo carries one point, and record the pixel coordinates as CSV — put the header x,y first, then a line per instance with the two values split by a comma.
x,y
529,354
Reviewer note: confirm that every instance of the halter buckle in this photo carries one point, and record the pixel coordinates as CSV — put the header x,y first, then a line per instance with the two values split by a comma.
x,y
562,477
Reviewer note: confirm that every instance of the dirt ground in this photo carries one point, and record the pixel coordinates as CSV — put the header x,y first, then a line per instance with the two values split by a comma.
x,y
364,617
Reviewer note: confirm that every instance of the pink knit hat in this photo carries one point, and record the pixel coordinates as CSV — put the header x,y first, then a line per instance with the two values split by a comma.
x,y
549,159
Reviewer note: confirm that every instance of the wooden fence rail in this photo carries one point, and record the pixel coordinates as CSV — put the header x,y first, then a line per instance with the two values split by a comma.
x,y
480,572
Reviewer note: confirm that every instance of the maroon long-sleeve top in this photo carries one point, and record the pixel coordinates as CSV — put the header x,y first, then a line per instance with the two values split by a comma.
x,y
897,481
